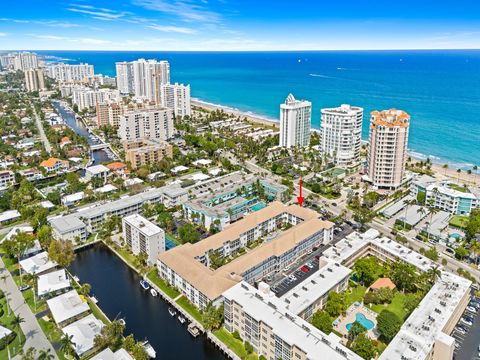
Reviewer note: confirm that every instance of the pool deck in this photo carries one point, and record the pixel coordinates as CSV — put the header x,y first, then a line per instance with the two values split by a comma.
x,y
350,317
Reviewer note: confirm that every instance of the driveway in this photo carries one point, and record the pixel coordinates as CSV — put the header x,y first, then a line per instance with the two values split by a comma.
x,y
31,329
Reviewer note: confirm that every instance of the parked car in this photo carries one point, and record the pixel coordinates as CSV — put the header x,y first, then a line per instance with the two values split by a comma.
x,y
472,309
317,257
292,277
310,265
286,268
304,269
25,287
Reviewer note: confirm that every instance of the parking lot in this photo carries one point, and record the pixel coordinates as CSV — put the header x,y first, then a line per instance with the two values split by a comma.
x,y
467,337
288,279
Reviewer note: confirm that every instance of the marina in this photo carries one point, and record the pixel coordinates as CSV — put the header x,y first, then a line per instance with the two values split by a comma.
x,y
120,295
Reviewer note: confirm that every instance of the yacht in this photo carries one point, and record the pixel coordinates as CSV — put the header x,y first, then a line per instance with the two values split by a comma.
x,y
171,311
144,284
149,349
153,292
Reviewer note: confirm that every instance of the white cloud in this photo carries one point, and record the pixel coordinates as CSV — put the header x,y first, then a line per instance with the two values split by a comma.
x,y
78,40
172,29
3,34
187,10
97,13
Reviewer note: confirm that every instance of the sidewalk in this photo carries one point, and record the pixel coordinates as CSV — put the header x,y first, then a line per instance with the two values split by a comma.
x,y
34,335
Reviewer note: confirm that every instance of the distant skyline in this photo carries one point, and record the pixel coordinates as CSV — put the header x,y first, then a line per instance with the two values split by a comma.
x,y
248,25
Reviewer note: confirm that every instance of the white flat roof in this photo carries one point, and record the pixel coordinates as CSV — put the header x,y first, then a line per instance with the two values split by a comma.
x,y
52,281
67,306
394,208
74,197
97,169
47,204
9,215
202,162
4,332
17,230
84,332
417,335
413,215
37,264
134,181
107,354
289,327
179,169
200,177
142,224
314,287
105,189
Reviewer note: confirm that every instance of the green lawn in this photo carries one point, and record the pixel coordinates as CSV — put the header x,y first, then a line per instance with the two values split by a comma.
x,y
6,320
458,187
190,308
357,293
157,280
233,344
396,306
127,256
459,221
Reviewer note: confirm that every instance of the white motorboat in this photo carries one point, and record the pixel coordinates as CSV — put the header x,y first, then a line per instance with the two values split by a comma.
x,y
153,292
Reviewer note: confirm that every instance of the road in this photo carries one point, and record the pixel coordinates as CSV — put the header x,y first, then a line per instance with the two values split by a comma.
x,y
337,206
31,329
43,137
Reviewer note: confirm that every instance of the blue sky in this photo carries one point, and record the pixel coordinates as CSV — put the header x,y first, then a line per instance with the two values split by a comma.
x,y
239,25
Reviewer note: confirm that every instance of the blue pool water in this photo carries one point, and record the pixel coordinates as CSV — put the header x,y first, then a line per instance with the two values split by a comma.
x,y
456,236
367,324
169,243
258,206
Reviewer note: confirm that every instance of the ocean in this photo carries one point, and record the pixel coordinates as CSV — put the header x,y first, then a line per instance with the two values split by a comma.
x,y
439,89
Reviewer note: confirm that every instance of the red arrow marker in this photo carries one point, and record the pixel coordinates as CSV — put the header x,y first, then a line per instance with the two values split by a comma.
x,y
300,198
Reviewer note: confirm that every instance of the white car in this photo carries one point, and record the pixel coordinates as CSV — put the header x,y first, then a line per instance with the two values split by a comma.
x,y
292,277
466,322
471,309
286,268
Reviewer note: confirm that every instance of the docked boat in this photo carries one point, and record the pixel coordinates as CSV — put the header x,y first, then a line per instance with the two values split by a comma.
x,y
171,311
144,284
181,319
153,292
149,350
122,321
193,330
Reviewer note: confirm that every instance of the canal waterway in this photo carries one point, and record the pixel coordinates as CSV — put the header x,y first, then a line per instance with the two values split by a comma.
x,y
99,156
117,289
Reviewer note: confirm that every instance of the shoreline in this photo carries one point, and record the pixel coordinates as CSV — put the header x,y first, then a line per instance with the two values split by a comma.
x,y
437,162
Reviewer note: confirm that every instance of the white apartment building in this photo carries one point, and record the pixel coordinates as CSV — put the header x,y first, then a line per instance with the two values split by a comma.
x,y
143,78
341,134
25,61
6,61
176,97
445,195
143,236
295,122
85,97
275,332
68,72
153,124
7,178
34,80
387,153
97,171
124,71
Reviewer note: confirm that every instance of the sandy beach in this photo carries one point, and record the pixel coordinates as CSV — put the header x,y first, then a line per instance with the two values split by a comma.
x,y
235,112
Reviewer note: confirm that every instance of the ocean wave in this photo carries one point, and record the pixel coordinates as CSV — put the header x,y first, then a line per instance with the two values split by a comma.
x,y
322,76
441,161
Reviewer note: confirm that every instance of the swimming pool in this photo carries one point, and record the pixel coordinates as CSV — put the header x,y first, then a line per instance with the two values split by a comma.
x,y
456,236
367,324
258,206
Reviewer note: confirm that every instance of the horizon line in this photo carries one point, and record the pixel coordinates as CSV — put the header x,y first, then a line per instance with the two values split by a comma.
x,y
200,51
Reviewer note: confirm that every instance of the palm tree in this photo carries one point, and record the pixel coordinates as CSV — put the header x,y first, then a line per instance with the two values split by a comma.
x,y
434,273
35,288
45,355
16,321
67,345
85,289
